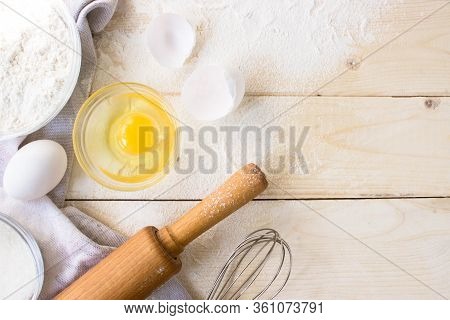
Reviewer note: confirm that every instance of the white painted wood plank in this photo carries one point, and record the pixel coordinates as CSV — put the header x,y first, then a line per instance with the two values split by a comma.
x,y
417,63
328,263
355,147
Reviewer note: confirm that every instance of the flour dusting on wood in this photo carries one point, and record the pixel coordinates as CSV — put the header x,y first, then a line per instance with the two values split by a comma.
x,y
303,43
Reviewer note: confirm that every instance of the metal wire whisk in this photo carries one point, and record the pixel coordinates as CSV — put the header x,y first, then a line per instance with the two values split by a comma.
x,y
244,269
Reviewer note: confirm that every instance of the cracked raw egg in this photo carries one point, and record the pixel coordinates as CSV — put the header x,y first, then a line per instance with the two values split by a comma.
x,y
125,136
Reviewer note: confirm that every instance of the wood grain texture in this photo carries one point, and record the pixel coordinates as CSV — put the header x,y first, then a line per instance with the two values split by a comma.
x,y
415,63
355,147
347,249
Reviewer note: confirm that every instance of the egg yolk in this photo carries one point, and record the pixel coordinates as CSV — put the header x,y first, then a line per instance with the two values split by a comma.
x,y
134,133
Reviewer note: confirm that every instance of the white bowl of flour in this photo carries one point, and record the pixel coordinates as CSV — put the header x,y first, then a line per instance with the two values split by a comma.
x,y
21,264
40,60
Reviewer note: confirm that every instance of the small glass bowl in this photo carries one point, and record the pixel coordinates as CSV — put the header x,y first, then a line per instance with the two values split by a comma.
x,y
86,120
69,85
31,244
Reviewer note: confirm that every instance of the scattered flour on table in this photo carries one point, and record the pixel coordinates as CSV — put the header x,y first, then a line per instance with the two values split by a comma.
x,y
281,46
33,65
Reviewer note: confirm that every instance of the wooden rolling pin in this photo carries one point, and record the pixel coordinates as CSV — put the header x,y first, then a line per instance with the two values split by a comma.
x,y
149,258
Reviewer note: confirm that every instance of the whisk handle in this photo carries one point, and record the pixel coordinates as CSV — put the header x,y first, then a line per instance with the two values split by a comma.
x,y
239,189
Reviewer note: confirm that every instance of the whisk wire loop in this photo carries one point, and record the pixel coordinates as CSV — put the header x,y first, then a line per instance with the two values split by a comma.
x,y
246,264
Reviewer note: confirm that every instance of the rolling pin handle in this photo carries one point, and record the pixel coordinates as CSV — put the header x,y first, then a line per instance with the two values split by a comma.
x,y
236,191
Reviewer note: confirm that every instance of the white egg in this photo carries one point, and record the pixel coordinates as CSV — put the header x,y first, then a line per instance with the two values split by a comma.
x,y
212,92
171,40
35,170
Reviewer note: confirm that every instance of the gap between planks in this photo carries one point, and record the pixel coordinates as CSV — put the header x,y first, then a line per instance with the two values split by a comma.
x,y
265,199
300,95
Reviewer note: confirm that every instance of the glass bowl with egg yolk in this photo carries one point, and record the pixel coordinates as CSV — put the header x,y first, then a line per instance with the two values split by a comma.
x,y
125,136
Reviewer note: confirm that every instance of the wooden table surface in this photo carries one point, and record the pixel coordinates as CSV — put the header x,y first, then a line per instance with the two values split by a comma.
x,y
370,218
